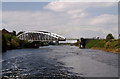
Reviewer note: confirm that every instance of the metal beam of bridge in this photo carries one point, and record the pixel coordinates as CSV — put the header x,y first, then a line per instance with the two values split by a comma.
x,y
42,36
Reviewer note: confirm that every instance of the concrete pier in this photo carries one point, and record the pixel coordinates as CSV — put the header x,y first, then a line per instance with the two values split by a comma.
x,y
84,41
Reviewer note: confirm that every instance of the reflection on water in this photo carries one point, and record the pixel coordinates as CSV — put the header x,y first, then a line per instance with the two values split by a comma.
x,y
58,61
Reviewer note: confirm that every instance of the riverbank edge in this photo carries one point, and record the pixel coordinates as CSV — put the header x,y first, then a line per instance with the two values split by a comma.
x,y
102,49
106,50
103,45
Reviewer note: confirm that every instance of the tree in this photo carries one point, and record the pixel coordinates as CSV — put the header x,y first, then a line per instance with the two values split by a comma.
x,y
109,36
119,36
14,32
4,43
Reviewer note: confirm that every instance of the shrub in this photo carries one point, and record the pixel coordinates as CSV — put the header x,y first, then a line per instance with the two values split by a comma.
x,y
109,36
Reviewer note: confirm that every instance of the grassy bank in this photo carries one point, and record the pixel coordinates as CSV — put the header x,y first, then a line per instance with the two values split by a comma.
x,y
105,45
12,42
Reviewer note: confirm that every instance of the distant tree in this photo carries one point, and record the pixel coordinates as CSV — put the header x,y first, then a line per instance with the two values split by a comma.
x,y
109,36
119,35
14,32
4,43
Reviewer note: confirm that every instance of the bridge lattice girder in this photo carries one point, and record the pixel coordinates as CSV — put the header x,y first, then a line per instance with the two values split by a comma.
x,y
40,36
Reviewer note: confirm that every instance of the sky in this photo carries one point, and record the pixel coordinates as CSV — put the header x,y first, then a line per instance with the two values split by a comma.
x,y
69,19
60,0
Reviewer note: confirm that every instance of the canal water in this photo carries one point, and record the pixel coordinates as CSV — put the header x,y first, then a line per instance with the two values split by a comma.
x,y
58,61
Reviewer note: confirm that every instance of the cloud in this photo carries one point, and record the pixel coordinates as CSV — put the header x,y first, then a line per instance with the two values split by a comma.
x,y
89,0
77,13
77,9
58,23
105,19
68,19
60,0
28,20
80,6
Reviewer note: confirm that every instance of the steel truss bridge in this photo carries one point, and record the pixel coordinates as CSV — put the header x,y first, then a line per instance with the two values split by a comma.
x,y
40,36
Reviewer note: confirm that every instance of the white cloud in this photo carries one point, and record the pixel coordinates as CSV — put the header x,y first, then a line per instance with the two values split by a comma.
x,y
60,0
79,6
104,19
77,13
76,9
88,0
69,19
24,20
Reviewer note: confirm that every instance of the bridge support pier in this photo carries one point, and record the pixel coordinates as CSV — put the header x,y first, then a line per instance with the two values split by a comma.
x,y
57,42
84,41
35,44
79,44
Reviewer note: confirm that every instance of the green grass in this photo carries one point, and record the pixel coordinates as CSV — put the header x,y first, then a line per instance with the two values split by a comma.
x,y
12,42
95,43
106,45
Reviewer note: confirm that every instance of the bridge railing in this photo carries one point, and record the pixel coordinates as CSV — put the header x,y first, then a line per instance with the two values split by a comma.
x,y
40,36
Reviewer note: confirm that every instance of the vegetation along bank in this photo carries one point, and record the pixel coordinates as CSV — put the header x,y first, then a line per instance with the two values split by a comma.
x,y
109,44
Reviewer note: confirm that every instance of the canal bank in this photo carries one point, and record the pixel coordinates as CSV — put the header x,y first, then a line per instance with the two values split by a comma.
x,y
105,45
59,61
10,42
101,44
